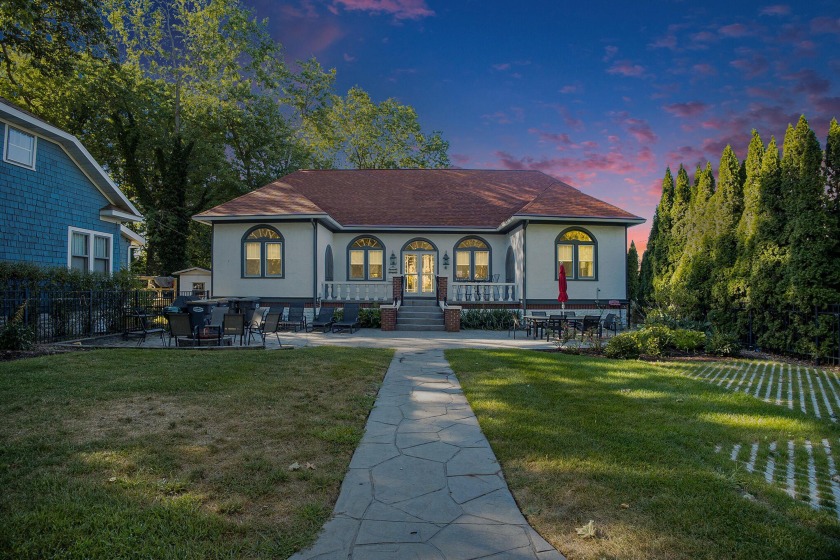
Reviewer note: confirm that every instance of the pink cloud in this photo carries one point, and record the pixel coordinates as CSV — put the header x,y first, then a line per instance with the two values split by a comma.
x,y
704,37
571,88
609,52
768,93
400,9
502,66
735,30
704,69
825,25
776,10
558,138
638,128
829,106
689,156
752,67
668,41
460,159
805,48
809,82
614,162
349,58
626,68
688,109
514,114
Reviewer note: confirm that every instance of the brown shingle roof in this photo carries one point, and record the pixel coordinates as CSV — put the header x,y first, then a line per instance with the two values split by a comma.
x,y
418,198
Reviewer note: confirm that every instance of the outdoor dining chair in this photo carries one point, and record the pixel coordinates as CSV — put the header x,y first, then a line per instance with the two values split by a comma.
x,y
233,326
180,328
255,321
271,325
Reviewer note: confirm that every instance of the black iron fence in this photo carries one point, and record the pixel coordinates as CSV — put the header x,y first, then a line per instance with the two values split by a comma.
x,y
60,315
812,333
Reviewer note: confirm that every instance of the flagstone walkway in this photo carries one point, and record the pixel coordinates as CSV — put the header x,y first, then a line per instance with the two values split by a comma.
x,y
424,482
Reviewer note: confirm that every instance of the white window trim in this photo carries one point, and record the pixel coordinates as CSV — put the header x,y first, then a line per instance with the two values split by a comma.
x,y
6,147
90,233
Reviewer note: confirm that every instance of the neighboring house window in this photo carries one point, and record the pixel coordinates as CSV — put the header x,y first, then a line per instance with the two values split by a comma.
x,y
576,253
472,260
365,258
510,266
20,148
262,253
90,251
419,245
328,264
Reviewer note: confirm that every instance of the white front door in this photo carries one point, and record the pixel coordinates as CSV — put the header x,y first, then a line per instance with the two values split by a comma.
x,y
419,270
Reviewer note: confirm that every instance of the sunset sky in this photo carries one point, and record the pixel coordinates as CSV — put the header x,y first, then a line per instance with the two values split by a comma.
x,y
602,95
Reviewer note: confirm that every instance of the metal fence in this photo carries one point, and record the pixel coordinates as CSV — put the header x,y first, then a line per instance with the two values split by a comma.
x,y
60,315
806,333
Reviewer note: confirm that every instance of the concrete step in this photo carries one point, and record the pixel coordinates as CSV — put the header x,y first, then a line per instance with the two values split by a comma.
x,y
420,327
419,322
418,313
420,303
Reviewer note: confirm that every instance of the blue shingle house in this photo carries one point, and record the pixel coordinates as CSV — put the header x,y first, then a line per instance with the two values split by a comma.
x,y
58,207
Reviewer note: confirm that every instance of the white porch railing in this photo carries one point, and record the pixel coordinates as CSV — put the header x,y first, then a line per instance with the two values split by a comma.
x,y
466,292
356,291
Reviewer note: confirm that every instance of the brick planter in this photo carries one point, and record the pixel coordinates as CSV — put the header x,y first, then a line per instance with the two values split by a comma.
x,y
452,319
388,317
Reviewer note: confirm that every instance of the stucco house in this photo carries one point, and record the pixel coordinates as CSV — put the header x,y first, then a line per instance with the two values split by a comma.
x,y
462,237
58,207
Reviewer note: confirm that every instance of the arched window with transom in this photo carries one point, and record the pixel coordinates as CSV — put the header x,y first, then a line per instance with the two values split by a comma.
x,y
365,259
472,260
262,253
577,253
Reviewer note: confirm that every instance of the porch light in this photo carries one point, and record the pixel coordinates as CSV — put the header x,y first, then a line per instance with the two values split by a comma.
x,y
393,260
446,260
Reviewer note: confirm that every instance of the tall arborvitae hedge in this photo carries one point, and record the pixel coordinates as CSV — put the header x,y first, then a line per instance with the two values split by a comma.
x,y
765,238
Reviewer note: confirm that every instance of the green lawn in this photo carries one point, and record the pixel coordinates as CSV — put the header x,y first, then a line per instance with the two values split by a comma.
x,y
632,446
177,454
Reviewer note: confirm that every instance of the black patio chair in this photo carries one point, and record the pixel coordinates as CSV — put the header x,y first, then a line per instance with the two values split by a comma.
x,y
325,319
349,319
233,326
296,319
143,326
254,323
610,323
180,328
555,325
270,325
589,324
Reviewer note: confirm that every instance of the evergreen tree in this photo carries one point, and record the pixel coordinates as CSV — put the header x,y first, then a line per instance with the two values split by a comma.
x,y
645,280
808,224
747,225
633,273
659,243
831,170
724,213
679,218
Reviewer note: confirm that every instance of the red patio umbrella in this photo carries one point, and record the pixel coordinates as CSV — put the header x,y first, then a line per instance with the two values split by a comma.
x,y
563,295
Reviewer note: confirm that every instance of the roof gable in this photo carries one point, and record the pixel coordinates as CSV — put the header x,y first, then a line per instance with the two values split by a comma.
x,y
415,198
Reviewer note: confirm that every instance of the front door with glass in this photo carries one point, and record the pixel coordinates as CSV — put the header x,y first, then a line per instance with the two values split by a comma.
x,y
419,270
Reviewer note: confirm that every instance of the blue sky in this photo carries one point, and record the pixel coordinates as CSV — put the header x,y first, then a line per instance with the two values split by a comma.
x,y
603,95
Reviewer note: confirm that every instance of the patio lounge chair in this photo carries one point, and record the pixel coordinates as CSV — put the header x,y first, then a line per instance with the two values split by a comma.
x,y
180,328
349,320
296,319
325,318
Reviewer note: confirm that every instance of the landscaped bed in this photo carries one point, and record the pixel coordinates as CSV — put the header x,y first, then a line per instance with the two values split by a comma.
x,y
645,451
133,454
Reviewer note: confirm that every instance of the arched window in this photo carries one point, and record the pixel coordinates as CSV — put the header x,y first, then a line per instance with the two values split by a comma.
x,y
365,259
472,260
576,252
328,264
262,253
419,245
510,266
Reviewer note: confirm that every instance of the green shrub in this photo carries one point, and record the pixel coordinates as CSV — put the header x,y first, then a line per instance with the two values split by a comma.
x,y
15,334
722,343
370,317
487,319
34,277
686,340
654,340
624,346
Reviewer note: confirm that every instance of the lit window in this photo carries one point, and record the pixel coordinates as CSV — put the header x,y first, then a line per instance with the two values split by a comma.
x,y
262,253
576,254
366,259
472,260
20,148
